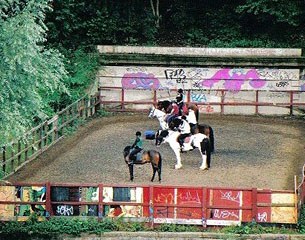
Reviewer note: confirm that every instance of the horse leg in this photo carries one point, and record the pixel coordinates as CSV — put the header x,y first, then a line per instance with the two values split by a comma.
x,y
130,166
159,167
204,148
154,172
208,153
178,157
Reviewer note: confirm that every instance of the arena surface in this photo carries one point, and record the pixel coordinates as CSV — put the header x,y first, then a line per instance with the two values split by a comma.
x,y
251,152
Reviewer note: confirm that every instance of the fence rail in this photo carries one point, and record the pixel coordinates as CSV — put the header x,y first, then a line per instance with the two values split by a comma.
x,y
121,99
204,206
43,136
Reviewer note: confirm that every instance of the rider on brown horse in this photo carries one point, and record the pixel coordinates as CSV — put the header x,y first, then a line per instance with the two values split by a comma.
x,y
137,146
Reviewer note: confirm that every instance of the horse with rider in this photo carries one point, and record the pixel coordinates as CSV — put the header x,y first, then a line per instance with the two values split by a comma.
x,y
182,117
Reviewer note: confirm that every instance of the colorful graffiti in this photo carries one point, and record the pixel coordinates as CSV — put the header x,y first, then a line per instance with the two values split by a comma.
x,y
159,204
140,80
235,78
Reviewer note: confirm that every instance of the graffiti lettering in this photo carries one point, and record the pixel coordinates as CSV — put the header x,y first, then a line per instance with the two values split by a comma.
x,y
228,196
178,75
198,98
188,213
140,80
164,212
282,84
221,214
206,109
198,73
64,210
189,198
276,74
165,198
262,217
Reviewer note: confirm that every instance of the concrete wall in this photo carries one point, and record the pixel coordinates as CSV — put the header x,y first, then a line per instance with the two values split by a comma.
x,y
208,52
205,85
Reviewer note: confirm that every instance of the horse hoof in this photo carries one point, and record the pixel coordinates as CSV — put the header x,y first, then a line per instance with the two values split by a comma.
x,y
178,166
204,169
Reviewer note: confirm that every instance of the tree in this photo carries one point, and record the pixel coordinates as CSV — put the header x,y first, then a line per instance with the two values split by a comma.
x,y
29,72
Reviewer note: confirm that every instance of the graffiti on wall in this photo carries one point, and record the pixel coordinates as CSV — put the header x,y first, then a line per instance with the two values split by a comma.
x,y
231,79
122,194
140,80
234,79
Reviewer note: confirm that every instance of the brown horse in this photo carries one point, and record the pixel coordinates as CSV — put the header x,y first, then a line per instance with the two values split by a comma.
x,y
150,156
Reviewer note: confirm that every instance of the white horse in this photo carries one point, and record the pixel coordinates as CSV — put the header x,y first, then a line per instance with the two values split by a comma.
x,y
160,115
198,140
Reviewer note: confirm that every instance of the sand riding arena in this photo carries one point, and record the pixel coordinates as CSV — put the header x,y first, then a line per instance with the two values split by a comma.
x,y
258,152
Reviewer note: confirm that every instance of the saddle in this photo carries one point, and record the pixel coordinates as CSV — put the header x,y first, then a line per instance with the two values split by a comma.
x,y
137,157
187,144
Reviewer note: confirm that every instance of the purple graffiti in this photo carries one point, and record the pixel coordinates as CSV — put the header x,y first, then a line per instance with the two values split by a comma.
x,y
234,79
140,80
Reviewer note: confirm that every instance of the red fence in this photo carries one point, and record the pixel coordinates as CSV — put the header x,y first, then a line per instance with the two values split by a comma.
x,y
149,203
121,99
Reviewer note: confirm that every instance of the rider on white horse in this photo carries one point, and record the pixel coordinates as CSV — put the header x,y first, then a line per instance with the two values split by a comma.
x,y
198,140
191,119
185,130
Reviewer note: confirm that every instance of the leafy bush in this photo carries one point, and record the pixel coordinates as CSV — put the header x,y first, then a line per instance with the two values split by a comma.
x,y
51,229
255,228
301,221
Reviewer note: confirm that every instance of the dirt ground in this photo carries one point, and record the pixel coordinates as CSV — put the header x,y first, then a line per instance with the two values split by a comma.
x,y
251,152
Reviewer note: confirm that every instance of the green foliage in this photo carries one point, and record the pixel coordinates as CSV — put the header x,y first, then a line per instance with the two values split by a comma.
x,y
51,229
220,23
276,10
82,66
103,113
301,221
29,72
255,228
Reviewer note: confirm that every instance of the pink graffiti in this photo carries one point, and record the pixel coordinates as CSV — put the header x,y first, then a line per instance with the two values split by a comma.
x,y
140,80
234,79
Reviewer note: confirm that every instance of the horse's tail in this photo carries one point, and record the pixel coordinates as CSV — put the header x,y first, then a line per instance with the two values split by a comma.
x,y
197,113
212,139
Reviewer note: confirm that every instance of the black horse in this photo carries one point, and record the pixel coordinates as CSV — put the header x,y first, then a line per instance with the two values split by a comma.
x,y
150,156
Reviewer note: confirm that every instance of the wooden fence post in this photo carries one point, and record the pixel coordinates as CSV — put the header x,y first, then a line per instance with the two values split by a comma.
x,y
3,158
204,205
291,103
19,155
151,206
222,102
256,102
100,202
12,158
48,200
254,204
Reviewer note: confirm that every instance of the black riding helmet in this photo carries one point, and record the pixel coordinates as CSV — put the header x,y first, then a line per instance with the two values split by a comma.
x,y
138,133
180,90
